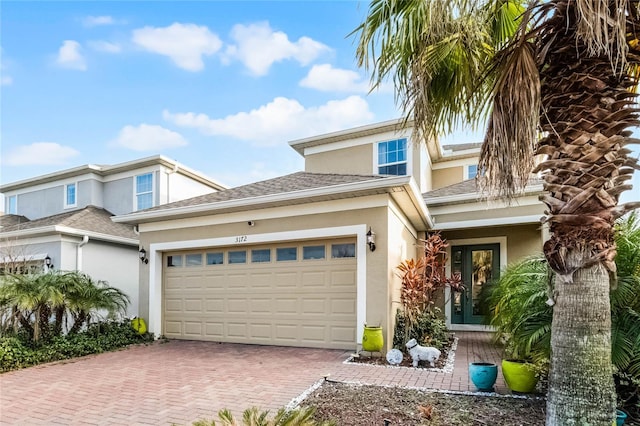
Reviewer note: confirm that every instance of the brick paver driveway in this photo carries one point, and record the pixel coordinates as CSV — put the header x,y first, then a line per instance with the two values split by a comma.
x,y
176,382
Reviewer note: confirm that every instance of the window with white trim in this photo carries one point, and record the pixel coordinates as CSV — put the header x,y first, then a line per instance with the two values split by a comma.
x,y
472,171
12,205
392,157
70,195
144,191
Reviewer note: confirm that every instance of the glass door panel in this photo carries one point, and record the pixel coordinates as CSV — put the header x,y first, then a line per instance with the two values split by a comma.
x,y
477,265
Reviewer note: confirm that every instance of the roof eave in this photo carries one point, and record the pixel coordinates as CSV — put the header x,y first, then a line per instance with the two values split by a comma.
x,y
370,129
472,197
58,229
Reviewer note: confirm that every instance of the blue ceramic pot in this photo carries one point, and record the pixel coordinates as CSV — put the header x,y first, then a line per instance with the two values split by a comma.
x,y
621,416
483,375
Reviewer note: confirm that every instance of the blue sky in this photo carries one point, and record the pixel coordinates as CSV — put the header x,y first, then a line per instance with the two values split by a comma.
x,y
218,86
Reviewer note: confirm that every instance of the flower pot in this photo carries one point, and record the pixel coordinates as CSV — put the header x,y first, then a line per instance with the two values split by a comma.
x,y
483,375
621,416
520,376
372,339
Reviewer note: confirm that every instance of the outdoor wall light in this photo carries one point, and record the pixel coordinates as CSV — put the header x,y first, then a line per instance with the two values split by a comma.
x,y
371,240
48,263
143,255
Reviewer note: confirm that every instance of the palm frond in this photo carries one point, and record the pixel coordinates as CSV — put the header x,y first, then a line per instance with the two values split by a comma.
x,y
508,150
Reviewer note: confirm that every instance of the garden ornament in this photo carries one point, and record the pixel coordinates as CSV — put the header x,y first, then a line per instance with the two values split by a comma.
x,y
422,353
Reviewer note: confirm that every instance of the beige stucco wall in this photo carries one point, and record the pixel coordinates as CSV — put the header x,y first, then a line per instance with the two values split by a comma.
x,y
403,245
354,160
445,177
483,210
393,242
522,240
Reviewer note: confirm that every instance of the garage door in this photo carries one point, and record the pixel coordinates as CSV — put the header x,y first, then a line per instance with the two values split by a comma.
x,y
296,294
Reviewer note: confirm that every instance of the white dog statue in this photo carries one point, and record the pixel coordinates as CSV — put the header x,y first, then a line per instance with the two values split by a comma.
x,y
422,353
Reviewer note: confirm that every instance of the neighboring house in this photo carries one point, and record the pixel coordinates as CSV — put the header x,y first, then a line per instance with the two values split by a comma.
x,y
286,261
64,218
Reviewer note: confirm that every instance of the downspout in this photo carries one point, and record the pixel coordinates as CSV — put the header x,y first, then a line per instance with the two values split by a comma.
x,y
81,244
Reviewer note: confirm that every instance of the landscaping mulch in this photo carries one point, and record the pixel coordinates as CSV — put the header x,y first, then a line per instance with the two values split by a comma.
x,y
351,405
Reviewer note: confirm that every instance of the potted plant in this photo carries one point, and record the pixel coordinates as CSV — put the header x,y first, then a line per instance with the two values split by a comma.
x,y
518,311
521,376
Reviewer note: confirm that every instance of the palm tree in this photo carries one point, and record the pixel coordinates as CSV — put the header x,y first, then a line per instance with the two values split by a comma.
x,y
519,311
85,297
562,68
26,300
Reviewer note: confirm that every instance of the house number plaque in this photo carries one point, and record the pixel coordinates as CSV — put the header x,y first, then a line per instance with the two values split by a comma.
x,y
241,239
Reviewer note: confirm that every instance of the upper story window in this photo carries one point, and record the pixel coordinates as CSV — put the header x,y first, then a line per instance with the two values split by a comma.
x,y
392,157
144,191
70,199
472,171
12,205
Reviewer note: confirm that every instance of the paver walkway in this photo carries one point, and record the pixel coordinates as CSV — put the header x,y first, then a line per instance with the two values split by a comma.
x,y
182,381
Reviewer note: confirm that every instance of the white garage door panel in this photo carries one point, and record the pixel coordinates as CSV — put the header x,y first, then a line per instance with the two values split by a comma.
x,y
292,303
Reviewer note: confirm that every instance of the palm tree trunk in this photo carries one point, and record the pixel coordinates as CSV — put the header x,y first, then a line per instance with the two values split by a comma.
x,y
581,389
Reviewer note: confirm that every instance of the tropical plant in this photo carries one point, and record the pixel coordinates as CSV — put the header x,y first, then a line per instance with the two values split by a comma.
x,y
39,304
421,282
520,312
254,417
566,68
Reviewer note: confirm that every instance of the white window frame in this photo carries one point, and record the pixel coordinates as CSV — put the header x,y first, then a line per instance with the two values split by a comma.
x,y
75,196
467,175
136,193
408,161
8,204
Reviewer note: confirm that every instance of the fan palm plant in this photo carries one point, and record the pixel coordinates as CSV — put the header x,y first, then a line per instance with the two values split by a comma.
x,y
562,68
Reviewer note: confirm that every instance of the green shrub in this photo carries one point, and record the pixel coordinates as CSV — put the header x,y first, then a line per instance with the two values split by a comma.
x,y
15,355
18,353
428,330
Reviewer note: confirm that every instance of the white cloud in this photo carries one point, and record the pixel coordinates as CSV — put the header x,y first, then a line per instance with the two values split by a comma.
x,y
94,21
148,137
185,44
104,46
6,80
39,153
280,120
328,79
258,47
69,56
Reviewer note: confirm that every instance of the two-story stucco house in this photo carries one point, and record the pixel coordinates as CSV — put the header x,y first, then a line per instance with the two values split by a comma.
x,y
63,220
307,259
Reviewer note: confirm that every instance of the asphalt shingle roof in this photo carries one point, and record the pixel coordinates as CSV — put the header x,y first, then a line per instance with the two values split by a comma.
x,y
90,218
289,183
11,219
465,187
